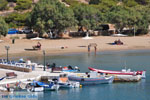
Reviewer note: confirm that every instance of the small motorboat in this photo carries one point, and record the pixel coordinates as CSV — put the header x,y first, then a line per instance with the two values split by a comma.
x,y
91,78
123,72
70,69
64,69
37,86
34,87
64,82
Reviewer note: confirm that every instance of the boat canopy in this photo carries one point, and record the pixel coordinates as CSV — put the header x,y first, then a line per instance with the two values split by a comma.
x,y
40,83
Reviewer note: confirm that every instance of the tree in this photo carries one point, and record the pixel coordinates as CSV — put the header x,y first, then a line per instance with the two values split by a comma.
x,y
119,16
87,16
127,17
3,27
105,5
144,20
3,4
16,19
51,14
23,4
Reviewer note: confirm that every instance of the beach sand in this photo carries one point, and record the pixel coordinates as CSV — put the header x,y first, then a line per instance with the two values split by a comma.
x,y
23,47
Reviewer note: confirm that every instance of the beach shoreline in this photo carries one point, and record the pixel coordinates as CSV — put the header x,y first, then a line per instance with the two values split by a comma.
x,y
23,47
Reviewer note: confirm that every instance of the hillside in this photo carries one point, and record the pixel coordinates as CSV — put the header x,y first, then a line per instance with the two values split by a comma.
x,y
12,5
91,14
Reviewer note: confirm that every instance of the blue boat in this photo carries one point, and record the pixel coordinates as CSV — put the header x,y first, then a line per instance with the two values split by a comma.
x,y
70,69
2,78
37,86
91,78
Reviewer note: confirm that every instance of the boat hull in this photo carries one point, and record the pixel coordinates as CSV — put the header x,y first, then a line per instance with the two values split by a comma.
x,y
142,73
89,81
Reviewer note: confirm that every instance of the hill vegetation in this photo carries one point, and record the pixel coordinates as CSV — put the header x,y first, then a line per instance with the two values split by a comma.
x,y
52,15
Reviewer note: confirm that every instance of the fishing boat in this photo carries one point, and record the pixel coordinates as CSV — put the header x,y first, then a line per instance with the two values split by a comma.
x,y
123,72
64,82
91,78
37,86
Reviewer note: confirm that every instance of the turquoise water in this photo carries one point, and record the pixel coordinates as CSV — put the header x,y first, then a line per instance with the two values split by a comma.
x,y
134,59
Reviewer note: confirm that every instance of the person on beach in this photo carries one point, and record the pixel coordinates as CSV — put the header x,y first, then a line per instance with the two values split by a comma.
x,y
37,46
95,48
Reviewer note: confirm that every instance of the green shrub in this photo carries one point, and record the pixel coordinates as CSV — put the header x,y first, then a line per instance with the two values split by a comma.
x,y
3,4
23,4
3,27
16,19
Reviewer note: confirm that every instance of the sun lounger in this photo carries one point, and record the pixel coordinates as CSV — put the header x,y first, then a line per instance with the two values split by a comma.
x,y
37,47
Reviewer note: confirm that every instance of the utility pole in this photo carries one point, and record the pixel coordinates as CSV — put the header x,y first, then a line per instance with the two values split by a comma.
x,y
7,48
44,60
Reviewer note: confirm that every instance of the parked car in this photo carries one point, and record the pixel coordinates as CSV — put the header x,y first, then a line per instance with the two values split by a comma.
x,y
13,31
26,30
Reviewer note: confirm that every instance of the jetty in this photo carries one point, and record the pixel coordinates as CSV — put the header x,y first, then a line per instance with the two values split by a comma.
x,y
127,78
37,74
28,73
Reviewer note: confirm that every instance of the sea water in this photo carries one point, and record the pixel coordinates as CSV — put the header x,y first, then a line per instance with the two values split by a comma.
x,y
115,60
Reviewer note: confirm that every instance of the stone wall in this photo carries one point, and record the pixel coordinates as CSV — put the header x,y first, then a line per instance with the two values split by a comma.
x,y
16,68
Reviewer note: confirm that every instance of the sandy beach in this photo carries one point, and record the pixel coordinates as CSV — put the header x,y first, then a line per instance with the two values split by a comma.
x,y
23,47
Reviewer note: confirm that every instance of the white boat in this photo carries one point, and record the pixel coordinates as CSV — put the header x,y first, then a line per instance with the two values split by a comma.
x,y
91,78
37,86
123,72
36,89
64,82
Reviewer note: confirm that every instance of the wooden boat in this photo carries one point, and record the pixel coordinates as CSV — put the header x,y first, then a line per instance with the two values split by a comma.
x,y
91,78
123,72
